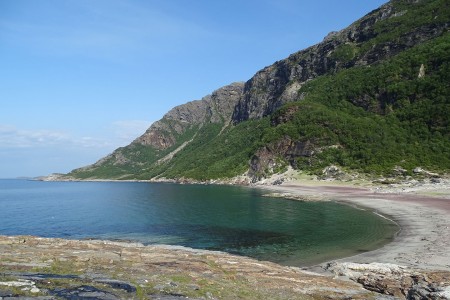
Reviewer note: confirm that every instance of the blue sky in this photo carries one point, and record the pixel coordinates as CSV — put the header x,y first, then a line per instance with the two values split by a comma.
x,y
79,78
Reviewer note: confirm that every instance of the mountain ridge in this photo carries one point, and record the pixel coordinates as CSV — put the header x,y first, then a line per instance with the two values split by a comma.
x,y
282,117
324,58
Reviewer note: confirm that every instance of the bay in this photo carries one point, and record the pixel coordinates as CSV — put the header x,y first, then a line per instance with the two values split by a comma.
x,y
233,219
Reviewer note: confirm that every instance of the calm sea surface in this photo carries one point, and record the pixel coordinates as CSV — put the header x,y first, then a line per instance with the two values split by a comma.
x,y
232,219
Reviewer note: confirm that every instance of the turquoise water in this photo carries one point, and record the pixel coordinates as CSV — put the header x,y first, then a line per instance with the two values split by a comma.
x,y
232,219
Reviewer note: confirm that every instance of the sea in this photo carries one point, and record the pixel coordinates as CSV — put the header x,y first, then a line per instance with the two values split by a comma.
x,y
237,220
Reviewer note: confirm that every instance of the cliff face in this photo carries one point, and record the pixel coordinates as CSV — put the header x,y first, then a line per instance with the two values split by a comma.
x,y
167,136
366,97
215,108
361,44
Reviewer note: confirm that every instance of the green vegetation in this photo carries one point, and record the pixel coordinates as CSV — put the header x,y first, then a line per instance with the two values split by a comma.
x,y
345,53
365,118
214,155
134,160
409,17
379,116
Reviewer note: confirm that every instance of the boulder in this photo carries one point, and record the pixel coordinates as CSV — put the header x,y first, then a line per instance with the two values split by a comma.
x,y
395,280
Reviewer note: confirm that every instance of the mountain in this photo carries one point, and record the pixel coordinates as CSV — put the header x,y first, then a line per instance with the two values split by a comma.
x,y
372,98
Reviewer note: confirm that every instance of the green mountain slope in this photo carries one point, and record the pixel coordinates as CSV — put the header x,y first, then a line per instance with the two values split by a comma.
x,y
372,98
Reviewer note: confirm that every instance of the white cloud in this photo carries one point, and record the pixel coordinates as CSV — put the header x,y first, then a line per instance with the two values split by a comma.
x,y
38,151
12,137
120,133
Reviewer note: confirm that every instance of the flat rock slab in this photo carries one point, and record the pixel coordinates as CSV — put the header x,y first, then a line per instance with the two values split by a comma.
x,y
83,292
113,270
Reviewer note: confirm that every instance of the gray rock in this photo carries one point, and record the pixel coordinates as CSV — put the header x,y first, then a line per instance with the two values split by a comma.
x,y
393,280
268,89
5,293
83,292
117,284
421,71
266,159
215,108
194,287
160,287
169,297
399,170
29,298
418,170
331,171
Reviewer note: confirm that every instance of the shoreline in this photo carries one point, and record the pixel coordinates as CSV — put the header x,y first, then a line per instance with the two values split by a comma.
x,y
422,213
415,263
423,241
49,267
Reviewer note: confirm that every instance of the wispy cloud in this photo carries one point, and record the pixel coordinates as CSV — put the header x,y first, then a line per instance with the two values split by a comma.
x,y
119,133
12,137
39,152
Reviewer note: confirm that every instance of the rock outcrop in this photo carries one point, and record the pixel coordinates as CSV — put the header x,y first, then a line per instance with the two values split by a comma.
x,y
395,280
274,157
72,269
201,133
179,123
215,108
279,83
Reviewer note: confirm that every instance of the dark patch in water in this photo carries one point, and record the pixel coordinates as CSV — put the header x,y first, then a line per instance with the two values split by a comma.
x,y
220,237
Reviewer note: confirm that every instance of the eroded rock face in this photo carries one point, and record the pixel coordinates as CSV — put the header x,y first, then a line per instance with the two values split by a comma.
x,y
167,132
268,159
279,83
215,108
363,43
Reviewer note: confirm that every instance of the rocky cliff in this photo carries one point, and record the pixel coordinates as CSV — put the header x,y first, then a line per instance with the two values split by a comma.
x,y
362,43
364,99
172,133
215,108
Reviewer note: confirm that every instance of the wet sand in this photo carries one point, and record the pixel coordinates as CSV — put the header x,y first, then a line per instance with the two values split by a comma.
x,y
423,241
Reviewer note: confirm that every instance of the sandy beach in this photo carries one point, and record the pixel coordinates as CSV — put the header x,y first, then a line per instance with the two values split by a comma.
x,y
423,214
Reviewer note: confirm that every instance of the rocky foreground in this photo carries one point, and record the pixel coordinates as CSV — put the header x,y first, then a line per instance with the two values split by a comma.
x,y
68,269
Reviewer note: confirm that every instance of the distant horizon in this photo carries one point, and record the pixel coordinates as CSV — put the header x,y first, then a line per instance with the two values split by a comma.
x,y
80,78
18,178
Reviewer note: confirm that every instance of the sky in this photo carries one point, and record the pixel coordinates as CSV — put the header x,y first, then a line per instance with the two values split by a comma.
x,y
80,78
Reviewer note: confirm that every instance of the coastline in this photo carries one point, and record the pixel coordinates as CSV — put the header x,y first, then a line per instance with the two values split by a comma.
x,y
421,211
423,241
94,269
415,263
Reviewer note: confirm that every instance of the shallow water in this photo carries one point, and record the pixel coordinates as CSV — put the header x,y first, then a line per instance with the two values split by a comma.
x,y
232,219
